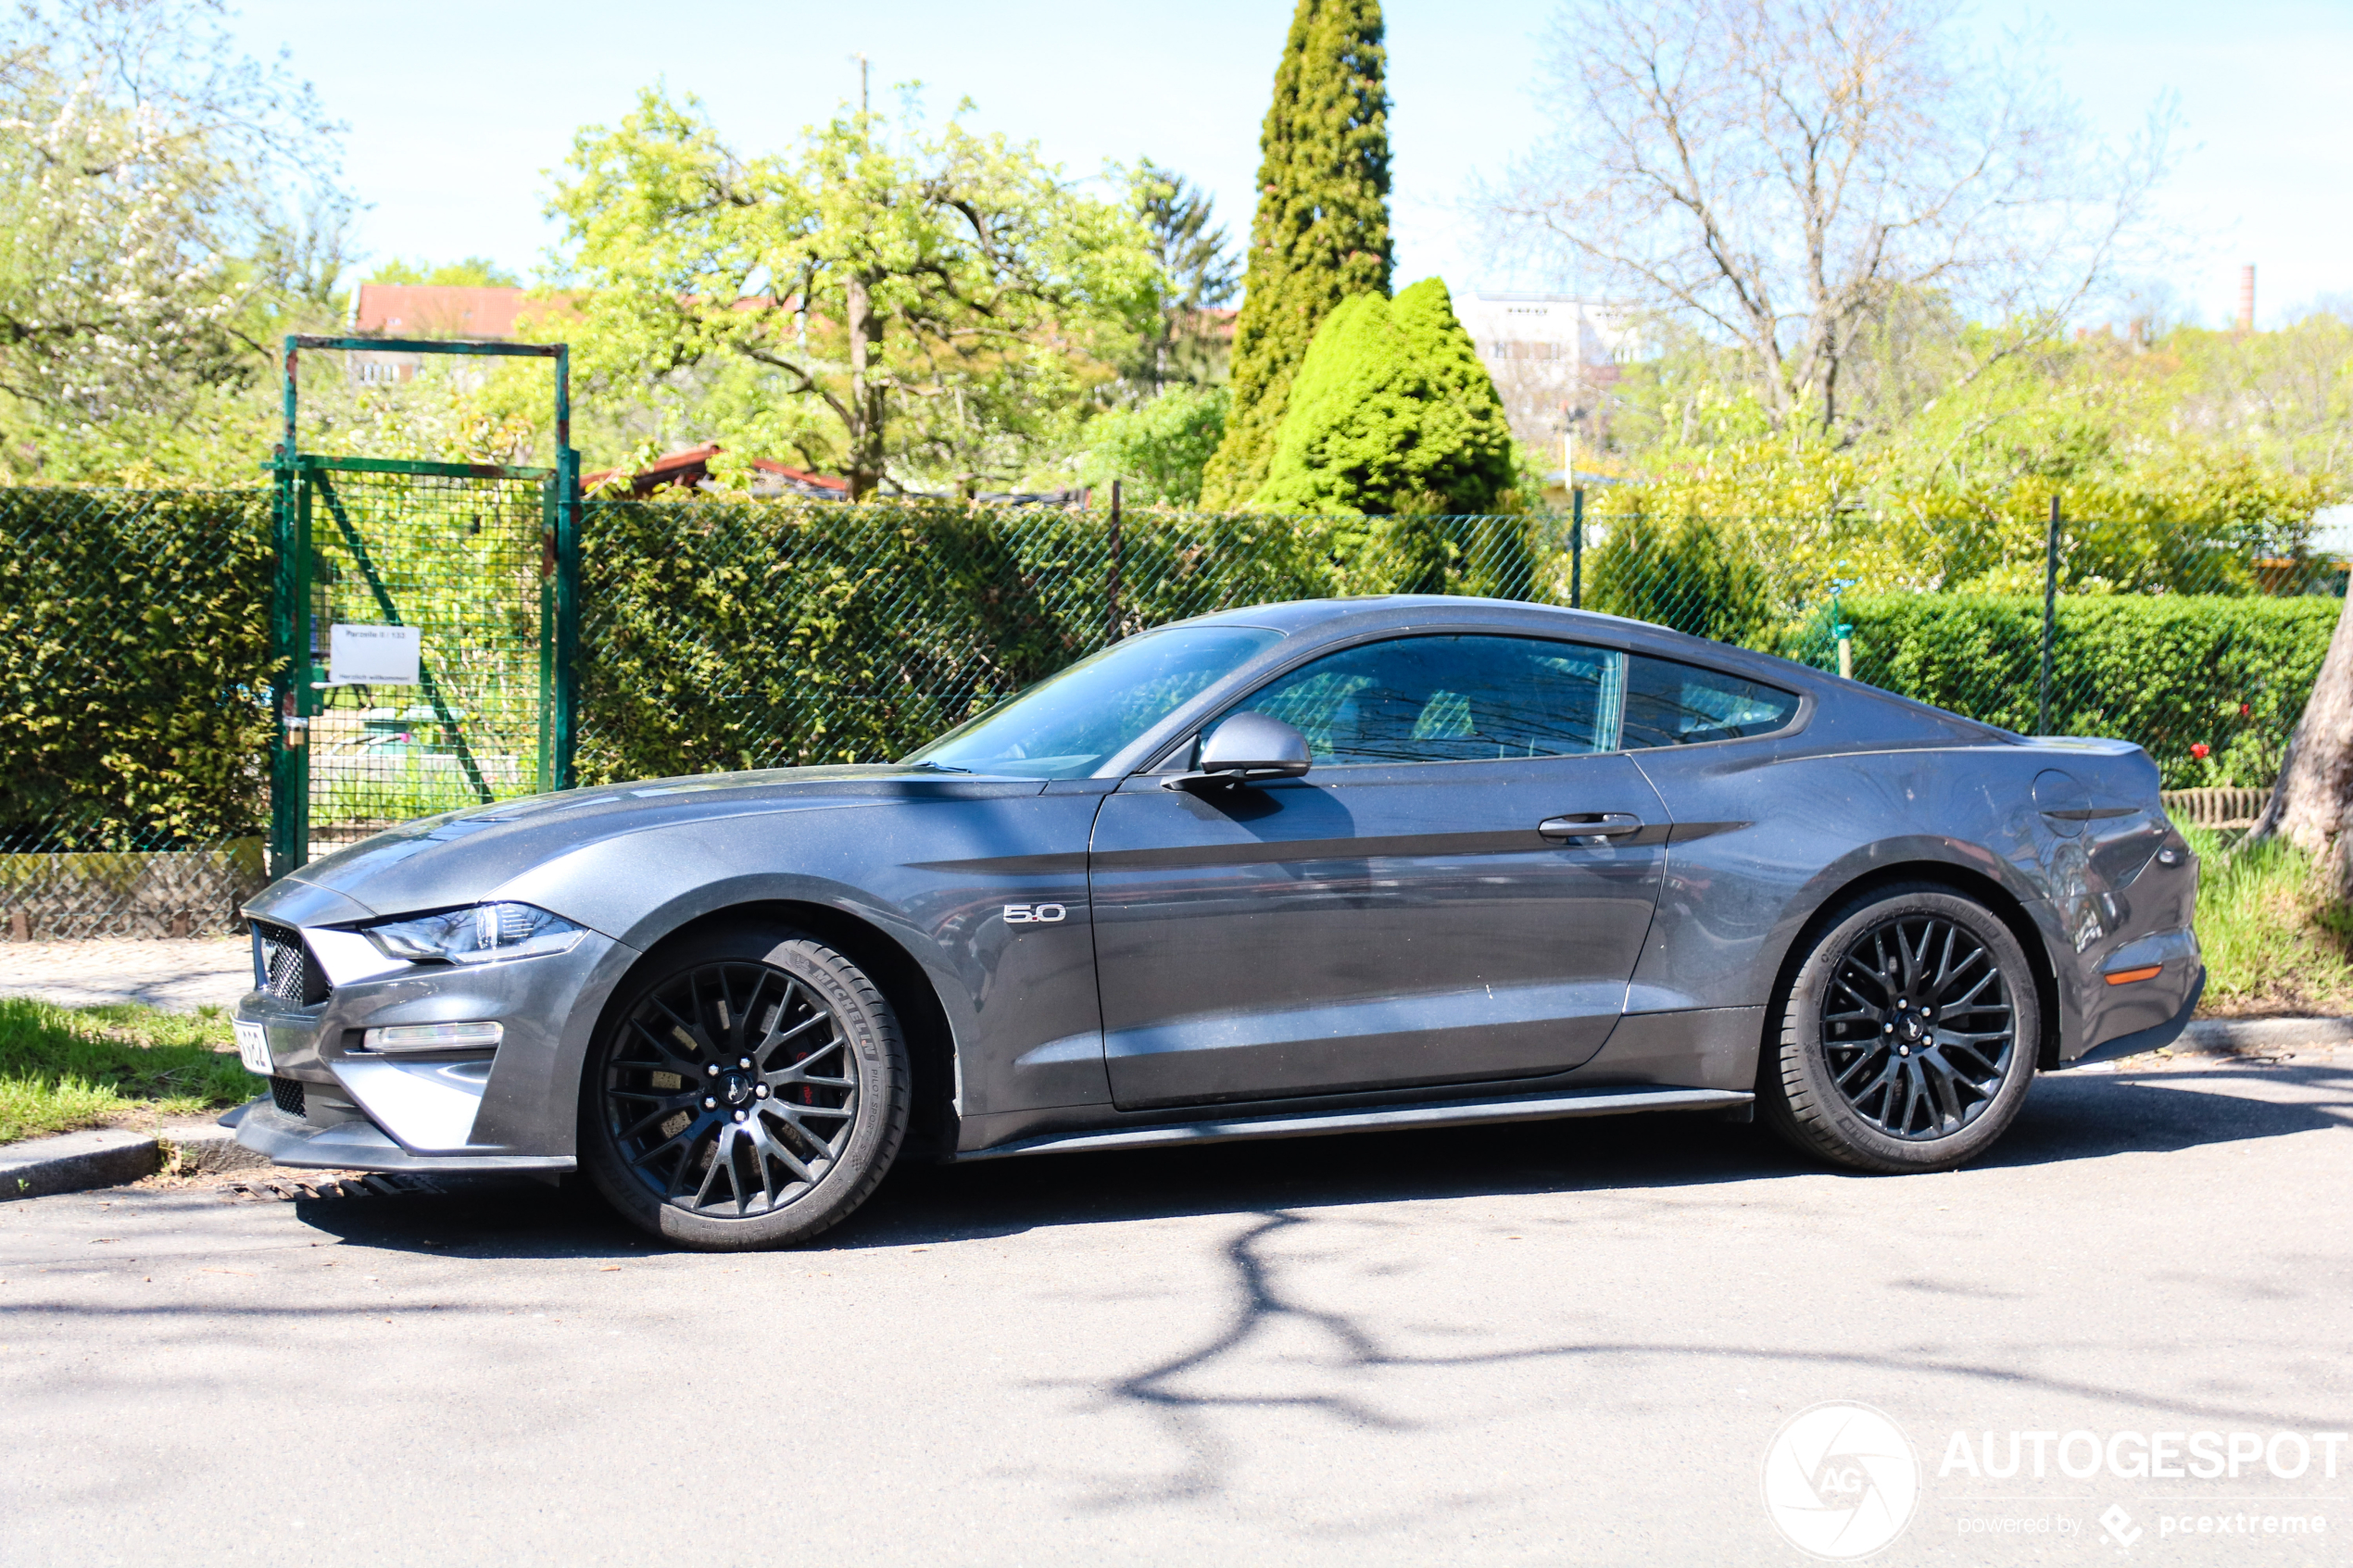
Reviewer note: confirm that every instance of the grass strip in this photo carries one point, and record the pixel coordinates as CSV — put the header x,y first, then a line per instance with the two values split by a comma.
x,y
63,1068
2275,940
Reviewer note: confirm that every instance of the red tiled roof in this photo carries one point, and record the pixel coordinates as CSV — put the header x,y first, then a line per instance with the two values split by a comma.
x,y
444,310
688,469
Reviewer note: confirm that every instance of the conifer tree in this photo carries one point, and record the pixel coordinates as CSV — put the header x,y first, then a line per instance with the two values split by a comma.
x,y
1391,411
1321,233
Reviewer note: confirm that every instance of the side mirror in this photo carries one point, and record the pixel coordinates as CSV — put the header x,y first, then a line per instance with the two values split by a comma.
x,y
1247,749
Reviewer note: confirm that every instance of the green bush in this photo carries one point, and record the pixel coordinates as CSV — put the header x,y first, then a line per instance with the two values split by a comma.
x,y
1391,412
2167,671
134,666
1159,447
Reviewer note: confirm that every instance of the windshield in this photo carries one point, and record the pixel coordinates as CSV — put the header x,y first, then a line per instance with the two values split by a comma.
x,y
1067,725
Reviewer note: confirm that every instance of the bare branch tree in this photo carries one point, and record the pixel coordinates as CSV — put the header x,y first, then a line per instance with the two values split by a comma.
x,y
1778,173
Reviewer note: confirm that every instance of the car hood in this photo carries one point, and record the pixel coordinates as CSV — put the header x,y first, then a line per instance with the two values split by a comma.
x,y
465,857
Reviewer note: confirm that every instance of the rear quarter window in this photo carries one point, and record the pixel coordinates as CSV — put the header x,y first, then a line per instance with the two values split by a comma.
x,y
1672,704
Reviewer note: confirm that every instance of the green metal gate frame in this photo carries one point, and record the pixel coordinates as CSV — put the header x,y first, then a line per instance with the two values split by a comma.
x,y
299,477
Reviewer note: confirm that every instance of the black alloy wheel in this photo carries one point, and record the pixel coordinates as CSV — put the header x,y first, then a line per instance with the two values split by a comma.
x,y
1905,1039
748,1097
1917,1026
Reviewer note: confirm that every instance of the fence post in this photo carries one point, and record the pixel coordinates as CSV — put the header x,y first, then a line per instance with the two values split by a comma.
x,y
2050,615
1575,546
1110,583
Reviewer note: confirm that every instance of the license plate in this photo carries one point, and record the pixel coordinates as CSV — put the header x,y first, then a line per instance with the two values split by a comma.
x,y
253,1048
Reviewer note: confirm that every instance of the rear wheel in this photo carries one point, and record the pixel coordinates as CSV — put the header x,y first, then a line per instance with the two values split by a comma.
x,y
750,1093
1907,1037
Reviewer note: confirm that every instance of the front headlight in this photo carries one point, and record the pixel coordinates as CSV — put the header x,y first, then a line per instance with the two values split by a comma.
x,y
480,934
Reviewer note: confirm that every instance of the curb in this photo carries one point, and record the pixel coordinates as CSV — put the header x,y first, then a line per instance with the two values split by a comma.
x,y
2233,1037
102,1157
108,1157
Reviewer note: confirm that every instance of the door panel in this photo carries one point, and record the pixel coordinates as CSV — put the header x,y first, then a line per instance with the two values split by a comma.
x,y
1367,926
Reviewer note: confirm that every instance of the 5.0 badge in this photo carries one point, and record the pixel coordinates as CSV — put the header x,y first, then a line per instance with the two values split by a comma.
x,y
1035,914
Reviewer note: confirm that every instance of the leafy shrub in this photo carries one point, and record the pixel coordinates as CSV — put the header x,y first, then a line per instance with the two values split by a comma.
x,y
1391,412
1159,448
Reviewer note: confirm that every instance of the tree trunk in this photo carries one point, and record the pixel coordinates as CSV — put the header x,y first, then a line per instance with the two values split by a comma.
x,y
865,400
2310,805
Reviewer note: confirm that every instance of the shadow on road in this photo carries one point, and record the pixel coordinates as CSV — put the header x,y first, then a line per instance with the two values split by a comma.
x,y
2067,1117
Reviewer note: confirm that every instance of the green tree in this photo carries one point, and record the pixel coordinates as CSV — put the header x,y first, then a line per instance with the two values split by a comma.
x,y
1321,233
1391,412
1196,276
473,271
1157,449
934,298
167,206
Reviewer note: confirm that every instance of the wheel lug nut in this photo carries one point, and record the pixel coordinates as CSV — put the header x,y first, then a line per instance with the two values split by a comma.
x,y
761,1091
1887,1029
709,1104
745,1063
739,1115
711,1072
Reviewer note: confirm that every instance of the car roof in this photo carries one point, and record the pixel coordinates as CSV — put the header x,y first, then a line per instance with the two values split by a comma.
x,y
1401,612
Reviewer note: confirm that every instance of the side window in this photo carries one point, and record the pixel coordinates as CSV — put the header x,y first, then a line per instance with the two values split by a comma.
x,y
1670,704
1451,700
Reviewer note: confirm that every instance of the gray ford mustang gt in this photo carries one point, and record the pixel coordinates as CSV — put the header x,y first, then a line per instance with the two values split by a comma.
x,y
1305,868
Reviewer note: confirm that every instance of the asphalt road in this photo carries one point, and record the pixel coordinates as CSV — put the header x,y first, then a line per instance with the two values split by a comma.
x,y
1561,1343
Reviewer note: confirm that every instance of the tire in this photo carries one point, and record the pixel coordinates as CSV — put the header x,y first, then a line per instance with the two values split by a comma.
x,y
1870,1069
692,1146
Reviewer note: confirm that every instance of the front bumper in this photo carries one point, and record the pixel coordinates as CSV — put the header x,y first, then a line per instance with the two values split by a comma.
x,y
360,1145
514,1108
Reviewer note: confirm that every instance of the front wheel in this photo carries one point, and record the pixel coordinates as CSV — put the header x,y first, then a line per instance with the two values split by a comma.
x,y
748,1094
1907,1037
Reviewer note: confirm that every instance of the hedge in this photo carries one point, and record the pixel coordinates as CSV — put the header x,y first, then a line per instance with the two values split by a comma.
x,y
2167,671
134,663
725,634
135,656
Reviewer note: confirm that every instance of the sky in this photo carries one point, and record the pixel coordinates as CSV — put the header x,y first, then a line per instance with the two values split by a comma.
x,y
458,111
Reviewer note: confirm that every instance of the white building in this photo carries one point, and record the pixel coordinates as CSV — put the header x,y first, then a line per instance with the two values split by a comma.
x,y
1551,356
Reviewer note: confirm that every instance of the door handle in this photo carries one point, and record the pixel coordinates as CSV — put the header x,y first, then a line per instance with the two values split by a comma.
x,y
1577,826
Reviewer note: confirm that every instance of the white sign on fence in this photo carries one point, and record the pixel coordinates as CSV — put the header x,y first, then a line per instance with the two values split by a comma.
x,y
372,656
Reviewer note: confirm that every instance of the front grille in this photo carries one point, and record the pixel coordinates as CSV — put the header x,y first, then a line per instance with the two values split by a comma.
x,y
283,967
286,1094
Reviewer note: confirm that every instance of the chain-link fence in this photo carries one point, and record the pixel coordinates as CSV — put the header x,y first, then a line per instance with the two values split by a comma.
x,y
715,634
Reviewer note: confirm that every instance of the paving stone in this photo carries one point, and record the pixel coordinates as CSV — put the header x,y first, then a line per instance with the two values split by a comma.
x,y
178,976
